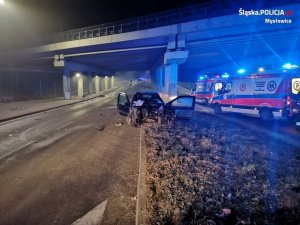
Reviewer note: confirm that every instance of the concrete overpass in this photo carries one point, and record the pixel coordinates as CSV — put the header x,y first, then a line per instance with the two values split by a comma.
x,y
221,43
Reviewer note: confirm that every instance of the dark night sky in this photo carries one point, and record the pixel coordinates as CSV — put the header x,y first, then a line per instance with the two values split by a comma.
x,y
76,14
49,16
30,19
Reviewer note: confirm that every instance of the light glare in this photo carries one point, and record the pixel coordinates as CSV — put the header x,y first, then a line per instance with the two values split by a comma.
x,y
77,74
289,66
261,69
2,2
240,71
225,75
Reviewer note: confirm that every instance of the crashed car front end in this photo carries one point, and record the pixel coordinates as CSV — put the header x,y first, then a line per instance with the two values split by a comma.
x,y
154,108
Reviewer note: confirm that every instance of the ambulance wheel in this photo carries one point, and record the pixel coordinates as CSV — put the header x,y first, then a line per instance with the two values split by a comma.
x,y
217,109
266,114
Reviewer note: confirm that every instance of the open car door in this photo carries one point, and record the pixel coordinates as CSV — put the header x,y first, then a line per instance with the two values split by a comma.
x,y
183,106
123,104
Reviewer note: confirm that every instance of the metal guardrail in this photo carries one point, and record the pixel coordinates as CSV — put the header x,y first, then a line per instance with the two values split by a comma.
x,y
171,17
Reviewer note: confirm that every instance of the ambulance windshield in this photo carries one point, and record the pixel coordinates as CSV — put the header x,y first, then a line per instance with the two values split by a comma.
x,y
201,87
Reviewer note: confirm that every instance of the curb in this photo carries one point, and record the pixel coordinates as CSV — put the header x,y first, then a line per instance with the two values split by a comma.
x,y
56,107
141,199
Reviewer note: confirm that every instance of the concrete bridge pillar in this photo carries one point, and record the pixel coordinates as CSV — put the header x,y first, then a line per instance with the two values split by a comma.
x,y
101,81
112,84
90,83
79,85
105,83
97,84
67,83
159,82
171,78
171,61
68,66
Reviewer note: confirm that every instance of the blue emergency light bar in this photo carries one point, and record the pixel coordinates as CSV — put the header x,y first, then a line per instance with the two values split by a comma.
x,y
289,66
241,71
225,75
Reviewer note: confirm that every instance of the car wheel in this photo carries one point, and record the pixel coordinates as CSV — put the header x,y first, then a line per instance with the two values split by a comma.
x,y
206,102
129,120
217,109
266,114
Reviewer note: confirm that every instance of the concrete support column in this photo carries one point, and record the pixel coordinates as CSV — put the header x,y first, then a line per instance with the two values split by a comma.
x,y
112,82
80,86
90,83
159,82
67,83
106,83
97,84
171,60
171,78
101,84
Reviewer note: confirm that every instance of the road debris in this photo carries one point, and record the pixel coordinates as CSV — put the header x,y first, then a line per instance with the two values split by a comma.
x,y
215,172
133,198
100,128
118,124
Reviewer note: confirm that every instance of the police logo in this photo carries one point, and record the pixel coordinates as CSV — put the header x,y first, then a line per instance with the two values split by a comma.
x,y
243,87
297,85
271,85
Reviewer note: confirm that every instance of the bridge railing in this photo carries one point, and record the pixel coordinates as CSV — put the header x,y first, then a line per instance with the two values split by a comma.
x,y
140,23
171,17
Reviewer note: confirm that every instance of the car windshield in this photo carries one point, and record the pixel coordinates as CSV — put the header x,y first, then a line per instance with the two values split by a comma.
x,y
146,96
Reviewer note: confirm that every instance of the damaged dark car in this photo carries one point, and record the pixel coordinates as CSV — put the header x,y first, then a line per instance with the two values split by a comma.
x,y
149,105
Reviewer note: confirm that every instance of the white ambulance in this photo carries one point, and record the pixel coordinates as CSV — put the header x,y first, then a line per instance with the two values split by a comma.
x,y
206,88
265,95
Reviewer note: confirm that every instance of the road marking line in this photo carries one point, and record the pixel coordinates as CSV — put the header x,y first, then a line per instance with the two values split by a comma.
x,y
65,125
110,107
18,149
93,217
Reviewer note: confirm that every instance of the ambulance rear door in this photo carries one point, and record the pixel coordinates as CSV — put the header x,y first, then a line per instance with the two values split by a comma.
x,y
269,92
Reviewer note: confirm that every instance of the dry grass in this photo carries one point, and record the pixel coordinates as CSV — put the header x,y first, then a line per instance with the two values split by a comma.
x,y
202,172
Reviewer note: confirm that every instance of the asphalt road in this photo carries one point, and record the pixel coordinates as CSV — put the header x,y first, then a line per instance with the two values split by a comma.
x,y
57,166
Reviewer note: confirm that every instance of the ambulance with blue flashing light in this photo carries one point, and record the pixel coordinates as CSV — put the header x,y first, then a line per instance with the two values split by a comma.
x,y
207,87
266,95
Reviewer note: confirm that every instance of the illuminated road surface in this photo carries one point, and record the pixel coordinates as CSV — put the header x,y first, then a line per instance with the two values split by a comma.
x,y
69,160
77,157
